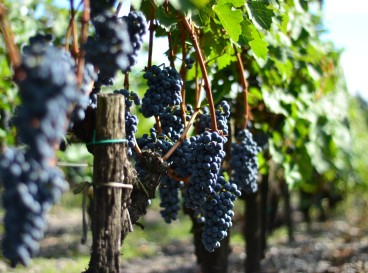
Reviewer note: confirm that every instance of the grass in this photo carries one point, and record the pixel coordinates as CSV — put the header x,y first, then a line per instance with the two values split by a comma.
x,y
145,243
59,265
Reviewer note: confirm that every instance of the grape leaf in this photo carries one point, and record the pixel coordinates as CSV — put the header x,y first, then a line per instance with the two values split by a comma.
x,y
246,35
230,20
259,45
235,3
260,13
203,17
225,60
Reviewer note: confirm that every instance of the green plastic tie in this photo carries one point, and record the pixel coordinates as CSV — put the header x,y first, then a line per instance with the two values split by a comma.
x,y
106,141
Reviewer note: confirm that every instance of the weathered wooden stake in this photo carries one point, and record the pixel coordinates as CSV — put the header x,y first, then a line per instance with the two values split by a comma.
x,y
108,176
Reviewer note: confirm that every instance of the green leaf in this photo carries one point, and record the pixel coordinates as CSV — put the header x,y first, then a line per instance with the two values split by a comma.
x,y
235,3
230,20
225,60
292,173
203,16
199,3
246,36
137,4
277,100
259,45
260,13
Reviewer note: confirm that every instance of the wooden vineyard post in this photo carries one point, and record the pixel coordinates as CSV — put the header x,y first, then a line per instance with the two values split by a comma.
x,y
253,233
109,184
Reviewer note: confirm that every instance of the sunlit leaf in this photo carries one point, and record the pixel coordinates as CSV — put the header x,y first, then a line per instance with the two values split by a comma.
x,y
260,13
230,20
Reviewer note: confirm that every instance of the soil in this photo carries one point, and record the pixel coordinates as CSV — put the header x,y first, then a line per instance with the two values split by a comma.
x,y
330,247
337,245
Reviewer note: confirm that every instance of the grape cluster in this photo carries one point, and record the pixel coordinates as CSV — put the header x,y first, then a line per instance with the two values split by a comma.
x,y
169,194
172,124
29,191
205,161
109,49
101,6
217,213
31,185
41,40
189,61
222,114
47,93
180,159
164,90
89,76
137,27
131,121
244,162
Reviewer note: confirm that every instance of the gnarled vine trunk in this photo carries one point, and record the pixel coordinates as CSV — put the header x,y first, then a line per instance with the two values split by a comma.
x,y
209,262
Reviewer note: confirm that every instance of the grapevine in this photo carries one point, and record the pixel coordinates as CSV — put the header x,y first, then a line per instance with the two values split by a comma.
x,y
29,175
198,154
244,162
164,87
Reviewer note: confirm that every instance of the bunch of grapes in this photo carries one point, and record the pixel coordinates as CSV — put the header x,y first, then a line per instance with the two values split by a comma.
x,y
31,185
101,6
137,27
205,160
109,49
222,115
244,162
172,124
30,189
189,61
164,90
180,160
169,194
47,92
217,213
89,77
131,121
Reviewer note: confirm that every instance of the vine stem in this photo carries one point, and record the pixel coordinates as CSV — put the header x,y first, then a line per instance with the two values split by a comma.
x,y
244,84
183,75
13,52
182,137
171,50
118,8
75,48
69,29
84,33
151,32
126,80
207,85
158,124
136,148
171,174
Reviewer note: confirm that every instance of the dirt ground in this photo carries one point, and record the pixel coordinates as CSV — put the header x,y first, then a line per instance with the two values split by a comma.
x,y
337,245
330,247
